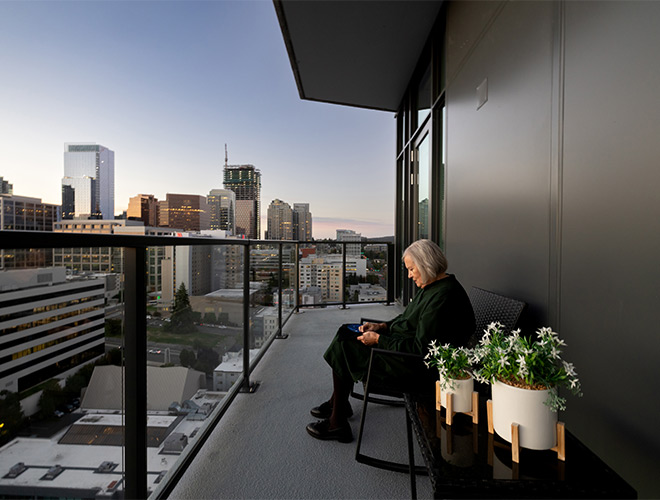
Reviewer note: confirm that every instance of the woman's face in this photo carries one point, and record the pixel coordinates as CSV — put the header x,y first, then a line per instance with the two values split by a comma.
x,y
413,272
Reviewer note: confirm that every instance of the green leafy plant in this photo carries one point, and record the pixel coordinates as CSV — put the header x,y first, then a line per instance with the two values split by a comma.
x,y
523,362
452,363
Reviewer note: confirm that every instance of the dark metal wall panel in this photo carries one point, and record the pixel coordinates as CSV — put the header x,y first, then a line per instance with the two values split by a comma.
x,y
610,276
499,156
552,195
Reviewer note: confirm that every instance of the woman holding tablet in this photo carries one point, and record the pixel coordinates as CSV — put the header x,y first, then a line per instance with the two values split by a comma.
x,y
440,311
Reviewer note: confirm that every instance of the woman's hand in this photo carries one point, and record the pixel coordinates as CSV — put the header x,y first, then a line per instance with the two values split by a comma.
x,y
372,327
369,338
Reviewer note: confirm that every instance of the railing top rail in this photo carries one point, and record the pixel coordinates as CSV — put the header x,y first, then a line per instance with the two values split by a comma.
x,y
12,239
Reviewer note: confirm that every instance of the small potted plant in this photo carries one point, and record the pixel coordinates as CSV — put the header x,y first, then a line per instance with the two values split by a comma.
x,y
525,375
453,364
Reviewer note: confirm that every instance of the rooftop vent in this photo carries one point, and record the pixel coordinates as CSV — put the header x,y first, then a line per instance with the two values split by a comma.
x,y
15,471
105,467
52,473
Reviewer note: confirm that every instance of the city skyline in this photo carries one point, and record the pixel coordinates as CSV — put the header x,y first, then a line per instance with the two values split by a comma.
x,y
166,85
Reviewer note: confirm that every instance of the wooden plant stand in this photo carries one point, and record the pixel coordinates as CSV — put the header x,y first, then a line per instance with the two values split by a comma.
x,y
449,399
560,448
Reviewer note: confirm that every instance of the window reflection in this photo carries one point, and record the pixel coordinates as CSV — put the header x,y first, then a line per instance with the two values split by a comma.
x,y
424,96
423,188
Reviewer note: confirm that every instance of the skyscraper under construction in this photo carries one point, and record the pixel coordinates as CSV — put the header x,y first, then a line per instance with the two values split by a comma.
x,y
245,181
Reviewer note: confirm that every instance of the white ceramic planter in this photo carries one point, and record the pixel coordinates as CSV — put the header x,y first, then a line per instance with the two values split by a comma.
x,y
537,423
462,394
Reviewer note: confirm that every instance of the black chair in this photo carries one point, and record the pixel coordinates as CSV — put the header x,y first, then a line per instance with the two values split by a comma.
x,y
396,395
488,307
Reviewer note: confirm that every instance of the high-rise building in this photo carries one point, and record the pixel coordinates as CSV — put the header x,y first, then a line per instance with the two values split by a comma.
x,y
302,222
188,212
245,181
5,187
222,205
143,207
88,185
280,221
26,214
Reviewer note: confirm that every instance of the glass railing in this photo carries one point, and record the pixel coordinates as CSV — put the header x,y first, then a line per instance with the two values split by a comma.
x,y
111,331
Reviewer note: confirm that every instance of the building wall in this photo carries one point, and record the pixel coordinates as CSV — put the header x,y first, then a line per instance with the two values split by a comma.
x,y
551,195
48,325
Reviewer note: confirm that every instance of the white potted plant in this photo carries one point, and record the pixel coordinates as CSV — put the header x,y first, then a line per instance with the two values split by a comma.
x,y
453,364
525,375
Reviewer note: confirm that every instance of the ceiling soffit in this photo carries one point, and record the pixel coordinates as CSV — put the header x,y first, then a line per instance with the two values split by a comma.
x,y
356,53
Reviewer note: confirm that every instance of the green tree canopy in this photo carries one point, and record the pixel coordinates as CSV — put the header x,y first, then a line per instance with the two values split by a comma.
x,y
187,358
11,415
51,397
182,318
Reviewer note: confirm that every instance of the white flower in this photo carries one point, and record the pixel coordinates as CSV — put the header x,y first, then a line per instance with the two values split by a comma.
x,y
570,369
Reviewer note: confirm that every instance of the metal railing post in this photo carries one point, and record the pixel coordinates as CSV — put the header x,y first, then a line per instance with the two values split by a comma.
x,y
135,385
279,289
297,296
390,273
247,386
343,278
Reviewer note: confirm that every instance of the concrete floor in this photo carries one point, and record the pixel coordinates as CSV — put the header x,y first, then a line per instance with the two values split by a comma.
x,y
260,449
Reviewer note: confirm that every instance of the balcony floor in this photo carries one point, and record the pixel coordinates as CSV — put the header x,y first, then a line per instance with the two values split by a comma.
x,y
260,449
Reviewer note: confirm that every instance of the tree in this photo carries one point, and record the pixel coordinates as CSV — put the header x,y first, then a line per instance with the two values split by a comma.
x,y
51,397
182,318
11,415
187,358
209,317
207,360
113,327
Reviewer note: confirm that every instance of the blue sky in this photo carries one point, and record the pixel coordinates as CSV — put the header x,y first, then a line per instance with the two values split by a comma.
x,y
166,84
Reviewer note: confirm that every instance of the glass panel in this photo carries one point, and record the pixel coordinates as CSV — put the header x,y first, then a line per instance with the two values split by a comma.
x,y
264,294
424,96
289,280
423,188
367,276
440,196
58,332
320,273
194,345
403,184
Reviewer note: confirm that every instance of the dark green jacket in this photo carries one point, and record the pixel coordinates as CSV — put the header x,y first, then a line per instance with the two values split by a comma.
x,y
440,311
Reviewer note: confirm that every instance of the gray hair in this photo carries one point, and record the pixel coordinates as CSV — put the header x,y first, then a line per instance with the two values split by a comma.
x,y
428,258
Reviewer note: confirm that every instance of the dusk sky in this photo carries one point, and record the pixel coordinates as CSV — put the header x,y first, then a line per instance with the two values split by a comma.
x,y
165,85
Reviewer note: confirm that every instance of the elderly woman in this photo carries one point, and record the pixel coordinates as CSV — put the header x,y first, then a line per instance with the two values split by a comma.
x,y
440,311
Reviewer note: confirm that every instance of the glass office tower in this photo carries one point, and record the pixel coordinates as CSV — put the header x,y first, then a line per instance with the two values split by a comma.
x,y
88,185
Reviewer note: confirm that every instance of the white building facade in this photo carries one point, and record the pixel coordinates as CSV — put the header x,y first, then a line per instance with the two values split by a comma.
x,y
49,325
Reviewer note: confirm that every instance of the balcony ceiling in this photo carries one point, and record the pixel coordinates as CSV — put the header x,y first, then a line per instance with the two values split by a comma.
x,y
356,53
